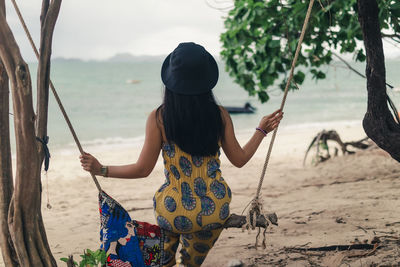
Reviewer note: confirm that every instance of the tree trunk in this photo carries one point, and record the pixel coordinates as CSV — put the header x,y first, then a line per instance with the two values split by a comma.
x,y
48,18
378,123
6,179
25,221
22,220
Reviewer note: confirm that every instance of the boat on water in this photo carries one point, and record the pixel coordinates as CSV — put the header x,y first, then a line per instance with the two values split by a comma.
x,y
247,108
133,81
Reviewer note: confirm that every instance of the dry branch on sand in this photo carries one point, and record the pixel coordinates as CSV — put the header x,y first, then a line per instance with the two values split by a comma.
x,y
237,221
320,142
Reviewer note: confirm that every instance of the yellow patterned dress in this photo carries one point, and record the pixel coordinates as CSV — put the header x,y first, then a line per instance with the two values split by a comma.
x,y
192,204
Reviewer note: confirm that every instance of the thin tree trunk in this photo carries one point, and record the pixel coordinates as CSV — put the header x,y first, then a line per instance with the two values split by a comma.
x,y
22,221
378,123
6,179
48,18
25,222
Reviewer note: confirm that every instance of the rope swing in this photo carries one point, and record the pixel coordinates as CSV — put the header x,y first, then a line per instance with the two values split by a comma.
x,y
256,205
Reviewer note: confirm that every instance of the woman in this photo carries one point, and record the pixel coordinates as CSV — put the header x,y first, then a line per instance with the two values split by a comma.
x,y
189,127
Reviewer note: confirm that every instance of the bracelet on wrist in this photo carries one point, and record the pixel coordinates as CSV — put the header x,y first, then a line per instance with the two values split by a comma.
x,y
262,131
104,171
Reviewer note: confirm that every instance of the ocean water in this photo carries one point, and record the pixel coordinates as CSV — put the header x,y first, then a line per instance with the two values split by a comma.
x,y
106,109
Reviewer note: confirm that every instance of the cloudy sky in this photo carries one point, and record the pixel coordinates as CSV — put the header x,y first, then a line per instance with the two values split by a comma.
x,y
98,29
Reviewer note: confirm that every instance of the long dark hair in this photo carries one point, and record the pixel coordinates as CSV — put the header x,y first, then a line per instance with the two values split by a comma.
x,y
193,122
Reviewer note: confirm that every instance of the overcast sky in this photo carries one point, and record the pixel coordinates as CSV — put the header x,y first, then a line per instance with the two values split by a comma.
x,y
98,29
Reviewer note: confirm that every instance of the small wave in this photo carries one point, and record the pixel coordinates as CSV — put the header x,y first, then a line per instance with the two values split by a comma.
x,y
112,143
101,144
314,126
325,124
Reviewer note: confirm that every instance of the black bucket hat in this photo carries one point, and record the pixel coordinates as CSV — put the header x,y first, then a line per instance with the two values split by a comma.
x,y
189,70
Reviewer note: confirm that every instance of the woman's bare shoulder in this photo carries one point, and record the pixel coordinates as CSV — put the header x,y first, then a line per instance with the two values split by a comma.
x,y
224,114
156,116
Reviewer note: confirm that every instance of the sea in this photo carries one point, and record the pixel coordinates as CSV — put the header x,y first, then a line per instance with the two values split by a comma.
x,y
108,102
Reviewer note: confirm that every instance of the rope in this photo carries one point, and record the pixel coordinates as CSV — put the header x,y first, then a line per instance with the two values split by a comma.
x,y
71,128
47,191
256,207
44,141
303,31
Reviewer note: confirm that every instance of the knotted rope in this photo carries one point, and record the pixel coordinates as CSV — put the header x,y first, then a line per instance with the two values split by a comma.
x,y
256,205
71,128
44,141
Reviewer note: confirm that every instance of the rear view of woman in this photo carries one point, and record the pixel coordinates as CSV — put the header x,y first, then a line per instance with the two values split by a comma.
x,y
189,128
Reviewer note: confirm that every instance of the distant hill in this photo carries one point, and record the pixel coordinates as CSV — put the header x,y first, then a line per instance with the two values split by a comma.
x,y
63,59
120,57
127,57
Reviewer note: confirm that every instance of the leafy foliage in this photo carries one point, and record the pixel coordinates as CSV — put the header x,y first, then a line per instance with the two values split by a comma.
x,y
261,38
90,258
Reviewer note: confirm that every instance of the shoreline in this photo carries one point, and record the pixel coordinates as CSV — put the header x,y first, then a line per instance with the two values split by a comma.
x,y
117,142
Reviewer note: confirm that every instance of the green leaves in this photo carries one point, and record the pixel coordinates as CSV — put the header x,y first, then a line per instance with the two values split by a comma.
x,y
316,74
90,258
299,77
261,38
395,8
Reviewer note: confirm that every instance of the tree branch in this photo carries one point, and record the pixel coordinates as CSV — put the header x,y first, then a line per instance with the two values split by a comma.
x,y
27,167
394,35
237,221
378,123
395,39
348,65
48,18
6,179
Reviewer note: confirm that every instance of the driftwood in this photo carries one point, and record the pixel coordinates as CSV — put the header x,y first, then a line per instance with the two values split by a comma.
x,y
237,221
379,123
320,141
25,220
336,247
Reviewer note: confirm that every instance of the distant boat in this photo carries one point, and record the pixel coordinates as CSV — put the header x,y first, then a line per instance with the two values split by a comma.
x,y
247,108
133,81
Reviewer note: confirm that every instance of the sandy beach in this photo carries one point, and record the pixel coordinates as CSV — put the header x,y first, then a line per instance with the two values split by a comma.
x,y
346,200
326,65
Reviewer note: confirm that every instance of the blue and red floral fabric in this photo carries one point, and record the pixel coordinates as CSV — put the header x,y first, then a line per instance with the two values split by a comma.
x,y
127,242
